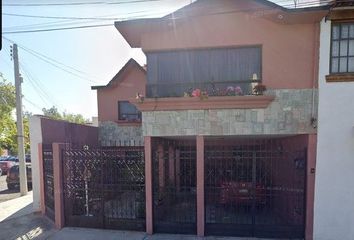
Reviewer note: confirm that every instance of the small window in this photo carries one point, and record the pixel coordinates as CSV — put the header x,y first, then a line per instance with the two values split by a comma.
x,y
342,48
128,112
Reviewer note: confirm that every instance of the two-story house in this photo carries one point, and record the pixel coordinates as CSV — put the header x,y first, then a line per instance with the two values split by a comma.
x,y
229,117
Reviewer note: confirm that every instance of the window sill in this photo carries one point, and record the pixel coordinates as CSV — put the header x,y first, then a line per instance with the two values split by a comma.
x,y
346,77
195,103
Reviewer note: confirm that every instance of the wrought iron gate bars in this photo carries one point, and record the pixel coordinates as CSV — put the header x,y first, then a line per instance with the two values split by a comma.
x,y
48,175
104,187
255,186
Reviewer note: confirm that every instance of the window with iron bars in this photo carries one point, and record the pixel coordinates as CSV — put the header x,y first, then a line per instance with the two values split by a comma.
x,y
342,48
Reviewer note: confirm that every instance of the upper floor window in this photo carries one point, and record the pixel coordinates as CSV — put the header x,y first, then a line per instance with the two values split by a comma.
x,y
171,73
342,48
128,112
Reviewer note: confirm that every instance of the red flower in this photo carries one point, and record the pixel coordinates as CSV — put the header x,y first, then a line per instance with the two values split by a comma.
x,y
196,93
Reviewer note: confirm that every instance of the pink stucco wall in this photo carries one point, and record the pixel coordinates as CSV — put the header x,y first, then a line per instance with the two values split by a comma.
x,y
289,51
133,81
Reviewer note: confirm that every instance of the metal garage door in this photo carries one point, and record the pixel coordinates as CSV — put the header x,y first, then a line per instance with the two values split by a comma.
x,y
255,187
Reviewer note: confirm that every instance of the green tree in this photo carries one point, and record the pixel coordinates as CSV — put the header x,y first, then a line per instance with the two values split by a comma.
x,y
8,131
70,117
7,105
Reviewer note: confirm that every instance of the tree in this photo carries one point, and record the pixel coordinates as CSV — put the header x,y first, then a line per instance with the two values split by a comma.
x,y
7,105
70,117
52,113
8,131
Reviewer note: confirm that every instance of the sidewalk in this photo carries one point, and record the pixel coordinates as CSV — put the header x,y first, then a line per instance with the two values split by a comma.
x,y
93,234
16,207
17,221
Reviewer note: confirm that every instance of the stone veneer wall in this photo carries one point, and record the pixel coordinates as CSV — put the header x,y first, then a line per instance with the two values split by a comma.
x,y
111,134
289,113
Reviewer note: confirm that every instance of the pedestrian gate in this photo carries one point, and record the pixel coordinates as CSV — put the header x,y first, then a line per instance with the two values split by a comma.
x,y
174,187
104,188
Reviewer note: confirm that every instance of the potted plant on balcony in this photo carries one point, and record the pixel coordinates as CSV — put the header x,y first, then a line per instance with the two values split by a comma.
x,y
259,89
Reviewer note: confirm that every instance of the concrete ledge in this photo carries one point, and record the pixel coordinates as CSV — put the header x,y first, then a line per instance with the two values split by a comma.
x,y
195,103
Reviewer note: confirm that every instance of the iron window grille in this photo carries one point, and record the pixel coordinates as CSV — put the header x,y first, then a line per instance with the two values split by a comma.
x,y
342,48
128,112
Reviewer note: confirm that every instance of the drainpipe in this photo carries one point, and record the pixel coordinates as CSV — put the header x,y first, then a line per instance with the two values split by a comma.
x,y
315,73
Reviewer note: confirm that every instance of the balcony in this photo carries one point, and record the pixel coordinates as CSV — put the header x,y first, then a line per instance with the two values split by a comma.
x,y
163,90
177,97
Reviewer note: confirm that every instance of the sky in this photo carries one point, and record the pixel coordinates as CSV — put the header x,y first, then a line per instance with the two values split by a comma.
x,y
82,57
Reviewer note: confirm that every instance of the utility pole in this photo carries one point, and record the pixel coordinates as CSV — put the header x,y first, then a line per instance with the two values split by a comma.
x,y
19,123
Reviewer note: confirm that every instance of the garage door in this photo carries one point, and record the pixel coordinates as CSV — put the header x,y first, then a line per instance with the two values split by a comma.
x,y
255,188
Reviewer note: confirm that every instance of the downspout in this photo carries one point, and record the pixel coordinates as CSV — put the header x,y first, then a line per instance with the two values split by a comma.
x,y
315,73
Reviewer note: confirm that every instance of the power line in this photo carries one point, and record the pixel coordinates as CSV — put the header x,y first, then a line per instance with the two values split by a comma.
x,y
60,17
46,59
71,21
53,60
59,29
32,103
29,76
37,86
75,3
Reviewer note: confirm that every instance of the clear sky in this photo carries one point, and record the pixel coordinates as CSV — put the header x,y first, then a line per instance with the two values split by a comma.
x,y
94,55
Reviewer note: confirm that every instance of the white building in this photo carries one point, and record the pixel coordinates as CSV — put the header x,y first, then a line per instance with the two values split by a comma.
x,y
334,188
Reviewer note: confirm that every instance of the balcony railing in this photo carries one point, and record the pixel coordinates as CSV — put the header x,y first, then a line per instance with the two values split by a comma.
x,y
162,90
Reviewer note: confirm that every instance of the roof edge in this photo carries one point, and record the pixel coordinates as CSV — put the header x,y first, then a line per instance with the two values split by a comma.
x,y
120,72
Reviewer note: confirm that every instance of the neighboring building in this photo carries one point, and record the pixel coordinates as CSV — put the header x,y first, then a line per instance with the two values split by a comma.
x,y
119,120
229,165
334,197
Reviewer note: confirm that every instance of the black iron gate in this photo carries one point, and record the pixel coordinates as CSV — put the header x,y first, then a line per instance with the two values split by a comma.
x,y
105,188
174,187
255,188
48,180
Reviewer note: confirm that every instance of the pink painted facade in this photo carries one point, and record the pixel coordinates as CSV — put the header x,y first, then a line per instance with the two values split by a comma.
x,y
124,86
289,48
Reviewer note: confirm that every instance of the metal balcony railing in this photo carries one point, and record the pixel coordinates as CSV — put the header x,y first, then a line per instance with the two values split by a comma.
x,y
212,88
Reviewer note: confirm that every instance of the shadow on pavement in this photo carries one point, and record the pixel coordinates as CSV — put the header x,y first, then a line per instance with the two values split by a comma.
x,y
7,191
31,226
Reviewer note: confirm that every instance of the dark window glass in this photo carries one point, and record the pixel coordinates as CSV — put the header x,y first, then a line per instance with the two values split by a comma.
x,y
171,73
342,50
128,111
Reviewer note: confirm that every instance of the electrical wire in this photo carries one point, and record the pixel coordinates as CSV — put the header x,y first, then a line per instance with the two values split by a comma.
x,y
37,85
51,61
58,29
75,3
32,103
69,21
31,81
